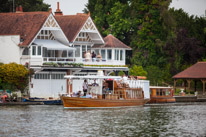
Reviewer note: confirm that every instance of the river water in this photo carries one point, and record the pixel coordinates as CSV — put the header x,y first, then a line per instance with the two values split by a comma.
x,y
54,121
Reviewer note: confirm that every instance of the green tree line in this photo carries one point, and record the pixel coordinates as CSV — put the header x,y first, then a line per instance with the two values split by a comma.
x,y
28,5
164,41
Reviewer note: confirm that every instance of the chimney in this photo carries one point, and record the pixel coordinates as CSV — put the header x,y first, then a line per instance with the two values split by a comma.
x,y
58,11
50,10
19,9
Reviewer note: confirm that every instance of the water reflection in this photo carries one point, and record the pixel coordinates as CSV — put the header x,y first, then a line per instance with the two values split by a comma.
x,y
140,121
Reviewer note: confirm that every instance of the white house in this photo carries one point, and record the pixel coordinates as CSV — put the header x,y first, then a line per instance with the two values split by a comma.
x,y
55,46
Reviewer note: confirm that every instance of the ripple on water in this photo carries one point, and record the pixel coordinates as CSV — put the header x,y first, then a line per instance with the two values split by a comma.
x,y
160,121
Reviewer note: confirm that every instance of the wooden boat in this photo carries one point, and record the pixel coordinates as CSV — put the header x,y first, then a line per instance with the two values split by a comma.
x,y
117,95
161,95
44,101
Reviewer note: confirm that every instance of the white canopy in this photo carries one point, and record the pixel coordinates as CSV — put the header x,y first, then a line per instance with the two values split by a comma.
x,y
92,77
52,45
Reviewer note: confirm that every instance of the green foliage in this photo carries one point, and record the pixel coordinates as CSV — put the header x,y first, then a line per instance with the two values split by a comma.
x,y
137,71
112,74
121,73
14,77
28,5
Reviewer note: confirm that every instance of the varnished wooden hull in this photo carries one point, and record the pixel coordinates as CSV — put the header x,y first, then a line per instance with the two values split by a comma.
x,y
75,103
162,100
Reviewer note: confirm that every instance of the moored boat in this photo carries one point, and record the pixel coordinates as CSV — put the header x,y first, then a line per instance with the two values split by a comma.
x,y
160,94
111,92
44,101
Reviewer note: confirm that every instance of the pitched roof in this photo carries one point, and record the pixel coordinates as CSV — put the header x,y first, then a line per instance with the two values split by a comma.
x,y
25,24
71,24
196,71
112,42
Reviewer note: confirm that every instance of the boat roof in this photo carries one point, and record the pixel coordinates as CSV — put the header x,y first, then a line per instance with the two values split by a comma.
x,y
91,77
160,87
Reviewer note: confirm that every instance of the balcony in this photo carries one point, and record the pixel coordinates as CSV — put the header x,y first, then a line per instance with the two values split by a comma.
x,y
84,61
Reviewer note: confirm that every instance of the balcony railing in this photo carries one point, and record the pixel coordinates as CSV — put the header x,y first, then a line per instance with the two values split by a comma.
x,y
85,61
59,59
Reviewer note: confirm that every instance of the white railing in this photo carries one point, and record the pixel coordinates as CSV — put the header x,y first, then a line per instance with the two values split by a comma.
x,y
59,59
101,62
83,60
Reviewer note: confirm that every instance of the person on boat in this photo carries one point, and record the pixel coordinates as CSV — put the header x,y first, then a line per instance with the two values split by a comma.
x,y
95,84
85,87
89,95
4,96
104,91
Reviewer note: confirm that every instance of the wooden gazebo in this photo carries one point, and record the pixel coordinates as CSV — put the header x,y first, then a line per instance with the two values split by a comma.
x,y
196,72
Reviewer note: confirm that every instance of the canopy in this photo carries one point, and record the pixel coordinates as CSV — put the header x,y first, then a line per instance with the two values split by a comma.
x,y
92,77
52,45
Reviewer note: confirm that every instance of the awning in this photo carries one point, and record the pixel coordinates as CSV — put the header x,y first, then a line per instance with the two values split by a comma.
x,y
52,45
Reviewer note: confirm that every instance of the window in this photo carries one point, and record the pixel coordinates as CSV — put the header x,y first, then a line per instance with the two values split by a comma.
x,y
96,51
26,51
57,76
103,53
83,51
42,76
109,54
45,52
89,48
77,51
70,53
39,50
36,50
33,50
160,92
116,54
51,53
157,92
64,53
121,54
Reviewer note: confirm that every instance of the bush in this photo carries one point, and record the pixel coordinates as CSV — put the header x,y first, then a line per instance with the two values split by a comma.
x,y
121,73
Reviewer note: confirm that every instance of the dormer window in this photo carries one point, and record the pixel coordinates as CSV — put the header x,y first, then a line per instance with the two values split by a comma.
x,y
82,35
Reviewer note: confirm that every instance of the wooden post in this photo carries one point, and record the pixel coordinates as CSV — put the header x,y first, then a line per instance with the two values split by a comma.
x,y
189,81
175,82
203,82
68,83
185,85
195,85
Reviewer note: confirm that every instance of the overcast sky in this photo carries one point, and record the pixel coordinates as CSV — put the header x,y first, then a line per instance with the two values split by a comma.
x,y
193,7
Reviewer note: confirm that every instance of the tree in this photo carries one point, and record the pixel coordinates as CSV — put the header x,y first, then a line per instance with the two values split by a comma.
x,y
28,5
14,76
137,71
163,40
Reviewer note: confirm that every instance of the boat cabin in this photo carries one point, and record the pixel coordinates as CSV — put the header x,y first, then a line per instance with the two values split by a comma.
x,y
106,87
160,94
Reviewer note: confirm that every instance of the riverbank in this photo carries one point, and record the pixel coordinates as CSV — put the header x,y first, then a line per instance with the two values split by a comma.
x,y
21,103
189,98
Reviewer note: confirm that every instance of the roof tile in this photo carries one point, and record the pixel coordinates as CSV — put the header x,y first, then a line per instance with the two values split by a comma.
x,y
112,42
71,24
25,24
196,71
